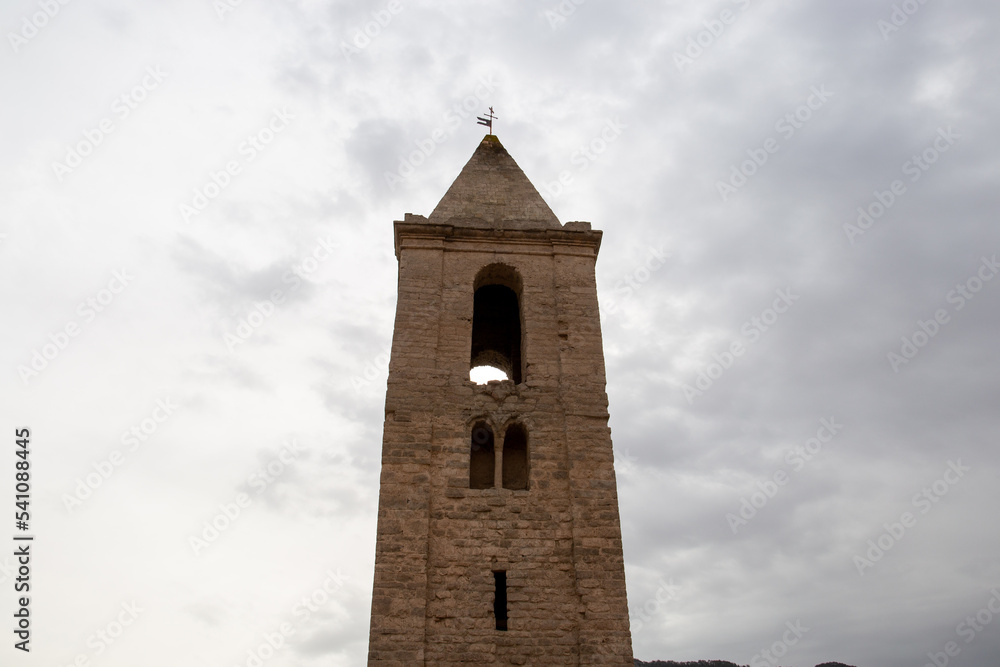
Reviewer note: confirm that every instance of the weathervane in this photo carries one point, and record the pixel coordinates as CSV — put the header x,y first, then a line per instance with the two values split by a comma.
x,y
487,121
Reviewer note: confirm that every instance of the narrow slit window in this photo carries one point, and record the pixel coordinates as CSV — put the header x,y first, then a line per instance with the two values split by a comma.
x,y
500,599
481,457
515,458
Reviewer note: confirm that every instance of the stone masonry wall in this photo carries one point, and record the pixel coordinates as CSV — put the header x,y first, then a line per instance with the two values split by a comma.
x,y
439,541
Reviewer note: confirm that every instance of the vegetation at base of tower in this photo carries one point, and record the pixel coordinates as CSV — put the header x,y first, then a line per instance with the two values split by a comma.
x,y
712,663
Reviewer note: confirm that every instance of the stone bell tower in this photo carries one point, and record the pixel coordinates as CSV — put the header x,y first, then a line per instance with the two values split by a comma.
x,y
498,541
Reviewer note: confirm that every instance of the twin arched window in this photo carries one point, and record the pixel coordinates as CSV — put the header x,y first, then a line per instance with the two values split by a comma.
x,y
513,458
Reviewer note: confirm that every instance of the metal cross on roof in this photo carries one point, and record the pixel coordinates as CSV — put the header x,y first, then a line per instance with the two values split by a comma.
x,y
487,121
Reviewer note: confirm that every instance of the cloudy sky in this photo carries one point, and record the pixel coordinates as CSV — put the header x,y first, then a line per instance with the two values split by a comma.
x,y
797,281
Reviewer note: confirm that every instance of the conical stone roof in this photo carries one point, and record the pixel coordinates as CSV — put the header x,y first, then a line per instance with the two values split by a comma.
x,y
492,191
